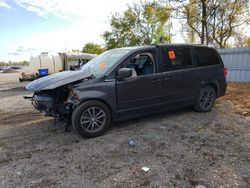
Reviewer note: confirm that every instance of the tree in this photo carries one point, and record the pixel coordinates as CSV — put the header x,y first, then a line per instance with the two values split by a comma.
x,y
228,16
247,41
141,24
213,21
193,14
75,50
191,32
92,48
242,40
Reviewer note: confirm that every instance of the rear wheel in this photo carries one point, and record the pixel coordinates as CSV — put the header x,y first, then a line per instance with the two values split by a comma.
x,y
91,119
205,99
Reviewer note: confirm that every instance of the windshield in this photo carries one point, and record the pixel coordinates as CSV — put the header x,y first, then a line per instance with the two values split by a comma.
x,y
100,64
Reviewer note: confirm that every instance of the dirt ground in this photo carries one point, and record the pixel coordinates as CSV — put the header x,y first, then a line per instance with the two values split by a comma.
x,y
239,95
181,148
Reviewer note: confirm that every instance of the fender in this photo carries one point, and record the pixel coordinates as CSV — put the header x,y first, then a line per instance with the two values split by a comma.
x,y
109,98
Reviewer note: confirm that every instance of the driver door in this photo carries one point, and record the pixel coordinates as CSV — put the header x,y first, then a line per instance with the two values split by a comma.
x,y
142,91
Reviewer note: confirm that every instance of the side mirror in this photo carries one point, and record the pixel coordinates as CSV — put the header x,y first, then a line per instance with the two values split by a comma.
x,y
124,73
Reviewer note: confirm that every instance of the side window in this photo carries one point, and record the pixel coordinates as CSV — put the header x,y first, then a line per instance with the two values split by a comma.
x,y
206,56
176,58
141,64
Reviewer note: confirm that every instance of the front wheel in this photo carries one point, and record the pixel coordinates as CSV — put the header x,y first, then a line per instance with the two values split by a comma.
x,y
205,99
91,119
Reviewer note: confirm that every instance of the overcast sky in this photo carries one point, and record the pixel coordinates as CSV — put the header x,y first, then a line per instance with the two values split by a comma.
x,y
29,27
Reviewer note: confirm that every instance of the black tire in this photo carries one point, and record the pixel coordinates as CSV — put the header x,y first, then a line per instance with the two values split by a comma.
x,y
86,124
205,99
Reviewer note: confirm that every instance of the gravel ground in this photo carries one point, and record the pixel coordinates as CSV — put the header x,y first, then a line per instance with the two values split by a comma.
x,y
181,149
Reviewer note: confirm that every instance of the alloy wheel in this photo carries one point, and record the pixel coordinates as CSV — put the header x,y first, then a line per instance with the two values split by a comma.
x,y
93,119
207,99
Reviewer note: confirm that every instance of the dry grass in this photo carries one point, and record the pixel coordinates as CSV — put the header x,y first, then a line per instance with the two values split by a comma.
x,y
239,95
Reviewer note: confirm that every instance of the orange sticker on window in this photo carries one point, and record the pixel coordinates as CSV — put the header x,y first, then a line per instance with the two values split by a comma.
x,y
102,65
171,54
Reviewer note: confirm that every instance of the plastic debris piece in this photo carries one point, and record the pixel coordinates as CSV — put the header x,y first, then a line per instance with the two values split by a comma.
x,y
145,169
200,186
131,143
244,113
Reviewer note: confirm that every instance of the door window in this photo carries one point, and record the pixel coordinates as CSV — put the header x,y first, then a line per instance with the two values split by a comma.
x,y
174,58
141,64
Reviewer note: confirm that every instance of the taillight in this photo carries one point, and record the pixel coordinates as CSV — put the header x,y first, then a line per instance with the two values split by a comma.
x,y
225,72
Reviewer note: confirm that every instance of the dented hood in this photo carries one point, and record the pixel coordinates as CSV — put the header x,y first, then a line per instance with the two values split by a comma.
x,y
56,80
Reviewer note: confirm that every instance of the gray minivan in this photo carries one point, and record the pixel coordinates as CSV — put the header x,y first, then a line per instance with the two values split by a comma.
x,y
127,82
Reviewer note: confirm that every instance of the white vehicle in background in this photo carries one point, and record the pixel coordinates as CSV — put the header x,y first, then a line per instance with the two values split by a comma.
x,y
58,63
46,64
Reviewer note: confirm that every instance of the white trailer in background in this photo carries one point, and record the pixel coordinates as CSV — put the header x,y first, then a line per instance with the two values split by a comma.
x,y
57,63
70,59
45,61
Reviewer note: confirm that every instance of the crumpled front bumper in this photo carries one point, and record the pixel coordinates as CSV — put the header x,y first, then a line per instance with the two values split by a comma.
x,y
43,103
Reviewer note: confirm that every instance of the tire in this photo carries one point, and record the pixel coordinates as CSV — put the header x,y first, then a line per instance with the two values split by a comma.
x,y
205,99
91,118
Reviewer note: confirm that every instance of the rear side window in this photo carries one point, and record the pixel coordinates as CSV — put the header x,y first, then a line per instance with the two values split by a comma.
x,y
206,56
175,58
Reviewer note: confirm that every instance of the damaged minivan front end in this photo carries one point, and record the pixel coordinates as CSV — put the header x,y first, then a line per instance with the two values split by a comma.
x,y
86,98
58,102
55,95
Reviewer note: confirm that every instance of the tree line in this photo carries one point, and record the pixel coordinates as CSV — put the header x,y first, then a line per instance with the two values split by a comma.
x,y
220,23
13,63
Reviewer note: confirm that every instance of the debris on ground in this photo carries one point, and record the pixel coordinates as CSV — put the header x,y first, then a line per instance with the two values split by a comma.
x,y
27,77
200,186
131,143
145,169
238,94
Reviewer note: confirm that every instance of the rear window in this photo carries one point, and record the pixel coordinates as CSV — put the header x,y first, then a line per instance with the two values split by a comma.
x,y
175,58
206,56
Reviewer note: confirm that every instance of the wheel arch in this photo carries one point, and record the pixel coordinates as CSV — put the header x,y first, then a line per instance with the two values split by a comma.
x,y
215,88
100,100
213,84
